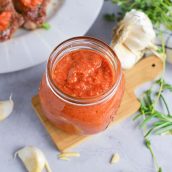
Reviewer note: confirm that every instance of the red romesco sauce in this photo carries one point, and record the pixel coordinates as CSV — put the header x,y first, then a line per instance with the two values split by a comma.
x,y
83,74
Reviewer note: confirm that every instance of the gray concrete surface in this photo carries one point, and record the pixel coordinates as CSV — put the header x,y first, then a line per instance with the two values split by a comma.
x,y
23,128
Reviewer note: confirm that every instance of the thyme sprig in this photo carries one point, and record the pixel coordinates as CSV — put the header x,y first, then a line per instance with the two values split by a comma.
x,y
148,145
160,122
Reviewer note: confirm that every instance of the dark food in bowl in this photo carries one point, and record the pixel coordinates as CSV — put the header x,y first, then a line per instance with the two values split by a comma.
x,y
10,20
30,14
34,12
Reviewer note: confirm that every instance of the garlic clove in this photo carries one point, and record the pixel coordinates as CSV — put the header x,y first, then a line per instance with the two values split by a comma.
x,y
6,108
33,159
126,57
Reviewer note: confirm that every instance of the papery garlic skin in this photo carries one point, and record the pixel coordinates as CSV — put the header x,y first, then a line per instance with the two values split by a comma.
x,y
6,108
33,159
136,34
127,58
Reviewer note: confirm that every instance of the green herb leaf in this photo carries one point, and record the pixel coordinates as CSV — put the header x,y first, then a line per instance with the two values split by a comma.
x,y
148,143
160,50
165,103
46,26
166,86
110,17
160,169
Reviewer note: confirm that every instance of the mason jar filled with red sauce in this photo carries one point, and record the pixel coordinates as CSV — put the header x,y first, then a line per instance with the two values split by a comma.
x,y
82,87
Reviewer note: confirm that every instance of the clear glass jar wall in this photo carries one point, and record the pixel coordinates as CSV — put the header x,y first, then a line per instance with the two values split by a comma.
x,y
82,116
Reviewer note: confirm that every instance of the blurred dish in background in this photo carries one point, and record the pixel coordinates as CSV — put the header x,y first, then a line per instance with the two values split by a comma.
x,y
67,18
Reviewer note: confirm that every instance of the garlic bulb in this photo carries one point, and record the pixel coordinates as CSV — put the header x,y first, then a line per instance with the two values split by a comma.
x,y
132,36
6,107
33,159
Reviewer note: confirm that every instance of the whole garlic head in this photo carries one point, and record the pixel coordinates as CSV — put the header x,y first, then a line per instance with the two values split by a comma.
x,y
134,34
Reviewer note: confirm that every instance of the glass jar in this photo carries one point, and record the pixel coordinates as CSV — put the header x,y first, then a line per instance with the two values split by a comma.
x,y
75,115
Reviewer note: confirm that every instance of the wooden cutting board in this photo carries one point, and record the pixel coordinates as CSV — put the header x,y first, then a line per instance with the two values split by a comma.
x,y
146,70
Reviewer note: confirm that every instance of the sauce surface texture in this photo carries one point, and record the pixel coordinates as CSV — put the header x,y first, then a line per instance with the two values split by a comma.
x,y
83,74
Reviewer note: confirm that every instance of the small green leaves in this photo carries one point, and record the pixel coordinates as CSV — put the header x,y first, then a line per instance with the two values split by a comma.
x,y
166,86
160,169
114,1
158,11
46,26
110,17
161,122
160,50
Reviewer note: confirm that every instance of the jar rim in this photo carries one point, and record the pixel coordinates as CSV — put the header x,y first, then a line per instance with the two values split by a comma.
x,y
83,101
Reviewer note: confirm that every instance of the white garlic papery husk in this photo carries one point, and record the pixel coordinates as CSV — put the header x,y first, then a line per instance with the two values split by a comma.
x,y
33,159
135,34
6,108
127,57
